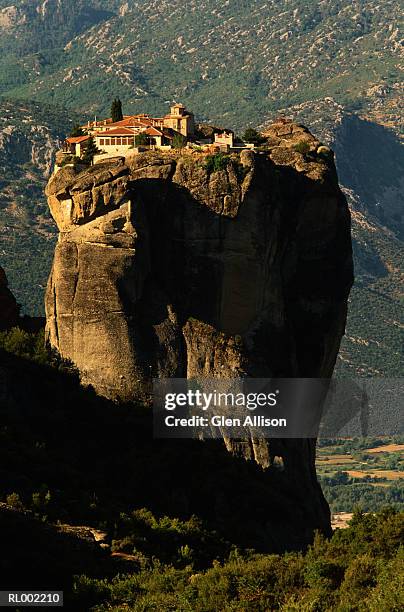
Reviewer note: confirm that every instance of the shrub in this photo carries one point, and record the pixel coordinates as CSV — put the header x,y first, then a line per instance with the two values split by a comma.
x,y
76,131
179,141
388,594
141,139
14,501
253,137
23,344
32,346
70,159
41,501
90,151
302,147
323,573
217,162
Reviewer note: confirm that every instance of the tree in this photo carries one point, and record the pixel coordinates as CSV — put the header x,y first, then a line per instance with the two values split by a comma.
x,y
141,139
116,110
77,131
179,141
217,162
252,136
90,151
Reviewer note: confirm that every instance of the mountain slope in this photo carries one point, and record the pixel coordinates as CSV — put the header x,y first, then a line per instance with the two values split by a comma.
x,y
32,25
233,61
30,133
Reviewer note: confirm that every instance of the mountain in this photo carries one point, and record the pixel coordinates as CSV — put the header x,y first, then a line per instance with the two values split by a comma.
x,y
233,62
30,26
29,135
332,64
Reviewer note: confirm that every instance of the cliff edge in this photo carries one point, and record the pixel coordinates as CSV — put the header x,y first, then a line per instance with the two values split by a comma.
x,y
177,264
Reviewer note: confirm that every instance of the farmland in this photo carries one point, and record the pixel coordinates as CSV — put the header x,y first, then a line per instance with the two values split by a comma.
x,y
364,473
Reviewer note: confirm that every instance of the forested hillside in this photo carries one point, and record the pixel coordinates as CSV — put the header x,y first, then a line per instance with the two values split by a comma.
x,y
235,61
29,135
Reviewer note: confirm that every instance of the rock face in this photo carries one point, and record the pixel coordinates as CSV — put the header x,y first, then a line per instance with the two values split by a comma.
x,y
9,309
166,267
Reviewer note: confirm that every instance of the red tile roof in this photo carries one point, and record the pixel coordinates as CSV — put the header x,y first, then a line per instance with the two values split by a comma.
x,y
151,131
123,131
132,121
77,139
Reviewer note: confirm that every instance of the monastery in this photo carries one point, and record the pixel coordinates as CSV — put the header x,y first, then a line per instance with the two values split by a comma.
x,y
117,138
122,137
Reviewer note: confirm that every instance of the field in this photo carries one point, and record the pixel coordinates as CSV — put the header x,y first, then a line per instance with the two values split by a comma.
x,y
364,473
388,448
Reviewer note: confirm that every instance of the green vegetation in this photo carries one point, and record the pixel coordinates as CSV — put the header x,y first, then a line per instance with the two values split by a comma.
x,y
352,493
302,147
180,528
179,141
247,77
374,340
360,568
32,347
253,137
248,81
24,344
353,475
27,231
70,159
141,140
116,110
77,131
191,552
216,162
90,151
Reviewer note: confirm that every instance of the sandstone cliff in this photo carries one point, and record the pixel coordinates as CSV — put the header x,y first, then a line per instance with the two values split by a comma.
x,y
167,268
170,266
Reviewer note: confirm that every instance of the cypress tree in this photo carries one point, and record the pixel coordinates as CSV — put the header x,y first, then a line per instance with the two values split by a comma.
x,y
77,131
90,151
116,110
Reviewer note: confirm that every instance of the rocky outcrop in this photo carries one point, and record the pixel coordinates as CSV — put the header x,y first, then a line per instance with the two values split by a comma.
x,y
177,265
165,267
9,309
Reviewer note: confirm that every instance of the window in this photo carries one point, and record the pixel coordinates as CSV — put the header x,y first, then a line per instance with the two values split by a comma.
x,y
101,141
